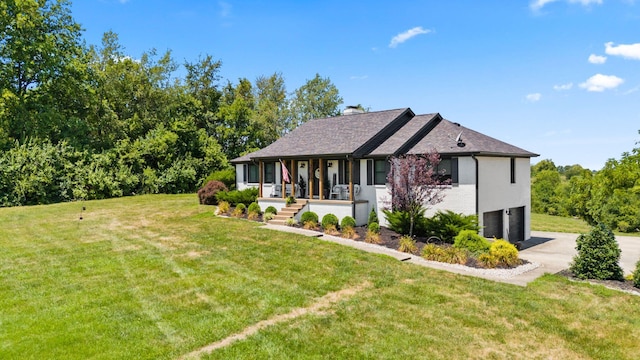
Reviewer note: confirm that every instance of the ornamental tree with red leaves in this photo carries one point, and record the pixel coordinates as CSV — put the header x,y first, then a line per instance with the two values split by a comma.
x,y
414,184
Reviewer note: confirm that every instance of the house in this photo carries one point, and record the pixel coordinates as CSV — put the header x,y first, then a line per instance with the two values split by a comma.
x,y
339,165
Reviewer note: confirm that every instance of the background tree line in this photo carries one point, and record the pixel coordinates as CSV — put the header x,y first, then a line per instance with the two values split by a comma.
x,y
90,122
610,196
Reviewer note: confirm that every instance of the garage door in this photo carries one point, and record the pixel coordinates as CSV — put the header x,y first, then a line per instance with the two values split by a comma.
x,y
492,222
516,224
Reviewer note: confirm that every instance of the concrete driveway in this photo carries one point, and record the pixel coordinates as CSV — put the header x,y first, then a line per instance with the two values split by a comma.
x,y
555,251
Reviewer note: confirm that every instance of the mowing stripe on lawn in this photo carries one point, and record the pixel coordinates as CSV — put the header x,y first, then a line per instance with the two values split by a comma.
x,y
316,308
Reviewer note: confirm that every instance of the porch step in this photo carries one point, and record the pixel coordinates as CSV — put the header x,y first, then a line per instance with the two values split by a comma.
x,y
288,212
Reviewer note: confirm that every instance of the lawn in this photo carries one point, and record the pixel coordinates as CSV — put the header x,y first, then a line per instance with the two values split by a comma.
x,y
544,222
157,277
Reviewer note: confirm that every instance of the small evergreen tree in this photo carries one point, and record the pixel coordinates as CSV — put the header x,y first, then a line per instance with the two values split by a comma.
x,y
598,255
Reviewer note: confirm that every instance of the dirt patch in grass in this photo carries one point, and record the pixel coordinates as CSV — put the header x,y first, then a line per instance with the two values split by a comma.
x,y
317,308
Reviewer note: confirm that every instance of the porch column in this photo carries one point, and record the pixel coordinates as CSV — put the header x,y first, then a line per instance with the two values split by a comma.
x,y
260,172
321,180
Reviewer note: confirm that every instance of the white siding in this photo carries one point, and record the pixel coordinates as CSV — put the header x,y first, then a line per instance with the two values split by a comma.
x,y
496,192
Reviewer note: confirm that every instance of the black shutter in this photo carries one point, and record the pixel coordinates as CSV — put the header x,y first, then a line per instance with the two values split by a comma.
x,y
341,164
454,171
245,172
356,172
369,172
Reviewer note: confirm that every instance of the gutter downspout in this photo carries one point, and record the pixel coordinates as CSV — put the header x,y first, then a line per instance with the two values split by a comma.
x,y
473,156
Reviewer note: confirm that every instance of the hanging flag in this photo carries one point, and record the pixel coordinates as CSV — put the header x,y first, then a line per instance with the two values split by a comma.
x,y
285,173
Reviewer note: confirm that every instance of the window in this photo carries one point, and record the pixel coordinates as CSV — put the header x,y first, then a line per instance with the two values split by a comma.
x,y
448,169
253,173
377,172
513,170
269,173
343,172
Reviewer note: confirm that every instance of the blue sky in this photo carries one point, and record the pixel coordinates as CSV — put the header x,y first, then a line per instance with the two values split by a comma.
x,y
560,78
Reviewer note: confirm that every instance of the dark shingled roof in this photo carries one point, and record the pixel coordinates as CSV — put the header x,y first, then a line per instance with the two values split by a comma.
x,y
443,139
340,135
382,133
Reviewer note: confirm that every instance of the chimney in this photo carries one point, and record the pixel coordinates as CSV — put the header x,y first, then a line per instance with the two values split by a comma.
x,y
350,110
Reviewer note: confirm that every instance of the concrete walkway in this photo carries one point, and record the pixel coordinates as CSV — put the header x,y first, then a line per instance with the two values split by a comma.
x,y
549,252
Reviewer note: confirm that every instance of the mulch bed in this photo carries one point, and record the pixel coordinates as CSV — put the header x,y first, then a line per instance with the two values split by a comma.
x,y
625,285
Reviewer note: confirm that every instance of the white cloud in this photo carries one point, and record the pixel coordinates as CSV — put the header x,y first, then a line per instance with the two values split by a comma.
x,y
597,59
631,51
601,82
563,87
402,37
225,8
536,5
535,97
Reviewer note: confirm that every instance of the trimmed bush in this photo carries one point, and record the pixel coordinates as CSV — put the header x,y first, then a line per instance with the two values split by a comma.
x,y
271,209
255,208
309,216
598,255
447,254
235,197
291,222
207,194
471,241
374,227
636,275
223,207
347,222
241,207
407,244
446,225
501,253
329,220
373,217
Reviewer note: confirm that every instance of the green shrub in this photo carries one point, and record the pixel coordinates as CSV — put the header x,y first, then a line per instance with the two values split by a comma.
x,y
374,227
373,217
447,254
235,197
347,222
271,209
252,215
226,176
290,200
207,194
237,212
223,207
407,244
446,225
255,208
501,253
636,275
471,241
400,222
598,255
329,220
241,207
309,216
291,222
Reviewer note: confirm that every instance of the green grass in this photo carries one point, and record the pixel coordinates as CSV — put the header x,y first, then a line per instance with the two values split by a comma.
x,y
544,222
156,277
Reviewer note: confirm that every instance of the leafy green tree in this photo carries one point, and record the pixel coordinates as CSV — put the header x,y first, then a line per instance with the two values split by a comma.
x,y
317,98
546,164
235,115
544,188
272,116
40,63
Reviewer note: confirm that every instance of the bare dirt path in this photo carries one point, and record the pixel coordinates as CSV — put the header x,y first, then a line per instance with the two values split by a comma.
x,y
318,308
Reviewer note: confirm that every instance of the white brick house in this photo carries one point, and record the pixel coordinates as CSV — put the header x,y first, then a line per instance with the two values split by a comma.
x,y
347,157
